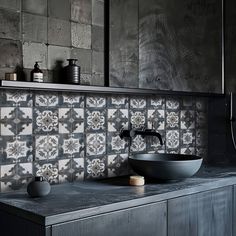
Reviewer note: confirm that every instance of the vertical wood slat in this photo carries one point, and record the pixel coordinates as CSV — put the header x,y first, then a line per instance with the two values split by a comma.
x,y
203,214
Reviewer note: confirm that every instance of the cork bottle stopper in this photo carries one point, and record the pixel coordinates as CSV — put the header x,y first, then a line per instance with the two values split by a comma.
x,y
136,180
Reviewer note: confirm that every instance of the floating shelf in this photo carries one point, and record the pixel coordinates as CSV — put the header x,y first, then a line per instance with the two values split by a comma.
x,y
95,89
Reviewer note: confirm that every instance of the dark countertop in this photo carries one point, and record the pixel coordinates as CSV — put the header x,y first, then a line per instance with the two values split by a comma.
x,y
82,199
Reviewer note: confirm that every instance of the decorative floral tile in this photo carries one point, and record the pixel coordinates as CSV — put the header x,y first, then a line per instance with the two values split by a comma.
x,y
138,144
117,119
16,121
153,143
201,138
156,102
95,120
45,121
187,119
71,145
118,101
117,165
96,167
17,149
71,120
172,120
47,99
172,139
187,138
172,104
138,103
115,144
201,119
201,104
46,147
95,101
188,151
156,119
47,170
138,119
95,144
71,170
14,98
71,100
15,176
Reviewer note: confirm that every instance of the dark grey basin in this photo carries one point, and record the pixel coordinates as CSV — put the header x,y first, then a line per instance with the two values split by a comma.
x,y
165,166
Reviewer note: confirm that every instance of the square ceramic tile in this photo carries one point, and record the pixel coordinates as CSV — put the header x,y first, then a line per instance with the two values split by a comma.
x,y
45,121
172,103
117,119
156,102
138,103
201,152
187,119
188,103
172,120
187,138
48,170
59,32
117,165
98,12
138,119
71,100
37,7
16,121
201,104
81,35
17,149
115,144
59,9
138,144
118,101
95,101
96,167
95,120
13,98
95,144
71,146
172,139
156,119
15,176
46,99
71,170
71,120
81,11
46,147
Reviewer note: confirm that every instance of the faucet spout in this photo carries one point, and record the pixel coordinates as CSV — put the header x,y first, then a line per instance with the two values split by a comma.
x,y
148,132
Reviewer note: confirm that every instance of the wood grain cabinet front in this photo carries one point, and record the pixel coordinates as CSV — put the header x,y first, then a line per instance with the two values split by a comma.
x,y
148,220
202,214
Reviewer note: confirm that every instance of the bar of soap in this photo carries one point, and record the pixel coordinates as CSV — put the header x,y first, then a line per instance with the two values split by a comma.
x,y
136,180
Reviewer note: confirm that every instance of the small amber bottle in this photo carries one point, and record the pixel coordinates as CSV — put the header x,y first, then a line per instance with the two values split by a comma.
x,y
36,74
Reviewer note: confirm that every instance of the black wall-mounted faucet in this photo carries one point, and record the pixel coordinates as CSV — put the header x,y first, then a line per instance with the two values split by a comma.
x,y
133,132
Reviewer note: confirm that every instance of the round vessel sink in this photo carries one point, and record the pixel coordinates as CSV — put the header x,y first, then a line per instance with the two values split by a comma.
x,y
165,166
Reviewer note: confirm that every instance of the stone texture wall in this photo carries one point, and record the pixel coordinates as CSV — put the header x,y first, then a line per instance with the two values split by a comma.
x,y
71,137
52,31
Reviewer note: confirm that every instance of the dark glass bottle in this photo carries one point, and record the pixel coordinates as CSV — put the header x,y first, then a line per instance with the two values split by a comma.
x,y
72,72
38,187
36,74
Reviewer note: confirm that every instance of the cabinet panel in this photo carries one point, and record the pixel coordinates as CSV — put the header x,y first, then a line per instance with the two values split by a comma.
x,y
234,212
138,221
203,214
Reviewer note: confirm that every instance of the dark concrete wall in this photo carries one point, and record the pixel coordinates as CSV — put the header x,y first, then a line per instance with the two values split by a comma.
x,y
52,31
179,44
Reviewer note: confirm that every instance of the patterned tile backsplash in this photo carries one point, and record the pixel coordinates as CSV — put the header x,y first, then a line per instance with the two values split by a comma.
x,y
68,137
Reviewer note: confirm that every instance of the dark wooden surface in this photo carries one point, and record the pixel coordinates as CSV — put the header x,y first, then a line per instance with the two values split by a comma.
x,y
234,212
139,221
203,214
11,225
